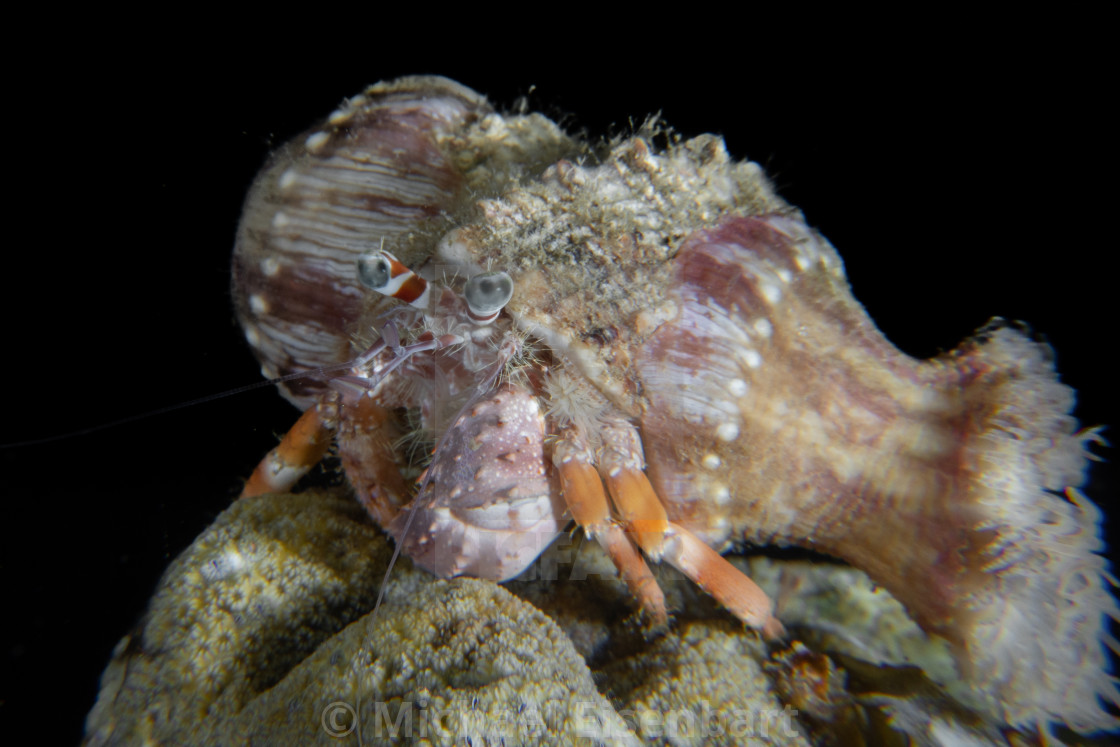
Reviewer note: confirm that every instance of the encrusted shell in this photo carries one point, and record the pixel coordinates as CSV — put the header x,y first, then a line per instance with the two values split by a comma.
x,y
590,249
681,289
390,168
773,411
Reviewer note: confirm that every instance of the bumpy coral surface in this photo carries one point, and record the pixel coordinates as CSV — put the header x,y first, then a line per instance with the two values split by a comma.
x,y
255,634
260,633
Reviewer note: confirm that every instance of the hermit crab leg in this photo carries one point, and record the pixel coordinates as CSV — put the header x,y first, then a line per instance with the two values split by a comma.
x,y
305,444
302,447
587,503
622,466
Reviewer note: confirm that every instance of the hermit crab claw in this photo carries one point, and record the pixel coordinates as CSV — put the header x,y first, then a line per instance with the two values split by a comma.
x,y
487,507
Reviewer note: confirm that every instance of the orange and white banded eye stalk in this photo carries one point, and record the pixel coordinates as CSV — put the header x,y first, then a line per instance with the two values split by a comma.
x,y
487,294
384,273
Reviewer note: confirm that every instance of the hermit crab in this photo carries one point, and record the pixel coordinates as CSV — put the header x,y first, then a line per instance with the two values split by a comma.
x,y
505,330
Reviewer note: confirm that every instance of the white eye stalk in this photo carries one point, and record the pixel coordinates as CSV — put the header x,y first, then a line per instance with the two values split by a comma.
x,y
487,294
484,295
384,273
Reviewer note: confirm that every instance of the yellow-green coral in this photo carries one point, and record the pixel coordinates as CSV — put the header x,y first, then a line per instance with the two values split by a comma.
x,y
261,633
237,645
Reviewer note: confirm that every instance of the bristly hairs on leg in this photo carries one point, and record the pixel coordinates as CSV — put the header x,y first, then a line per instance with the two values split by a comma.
x,y
417,443
513,353
573,401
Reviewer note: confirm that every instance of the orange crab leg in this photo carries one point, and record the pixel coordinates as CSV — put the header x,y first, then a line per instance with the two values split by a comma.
x,y
587,502
622,467
661,539
301,449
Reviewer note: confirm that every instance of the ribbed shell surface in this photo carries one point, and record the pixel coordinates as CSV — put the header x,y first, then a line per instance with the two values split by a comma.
x,y
374,171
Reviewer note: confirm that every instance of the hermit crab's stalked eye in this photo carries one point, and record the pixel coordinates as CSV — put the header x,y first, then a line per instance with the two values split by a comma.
x,y
384,273
374,270
487,294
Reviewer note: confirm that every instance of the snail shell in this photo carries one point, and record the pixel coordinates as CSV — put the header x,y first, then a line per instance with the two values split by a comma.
x,y
394,165
773,411
678,287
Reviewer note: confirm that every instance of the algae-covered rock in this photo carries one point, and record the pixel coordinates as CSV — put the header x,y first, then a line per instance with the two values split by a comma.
x,y
446,661
702,685
262,633
256,593
256,634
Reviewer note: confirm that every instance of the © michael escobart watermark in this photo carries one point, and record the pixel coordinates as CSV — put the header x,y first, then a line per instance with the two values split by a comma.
x,y
596,720
339,719
697,721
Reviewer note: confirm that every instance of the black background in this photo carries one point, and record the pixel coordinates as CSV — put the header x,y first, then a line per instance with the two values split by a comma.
x,y
963,176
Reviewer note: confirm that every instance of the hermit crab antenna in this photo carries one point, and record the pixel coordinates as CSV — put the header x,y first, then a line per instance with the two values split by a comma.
x,y
384,273
487,294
